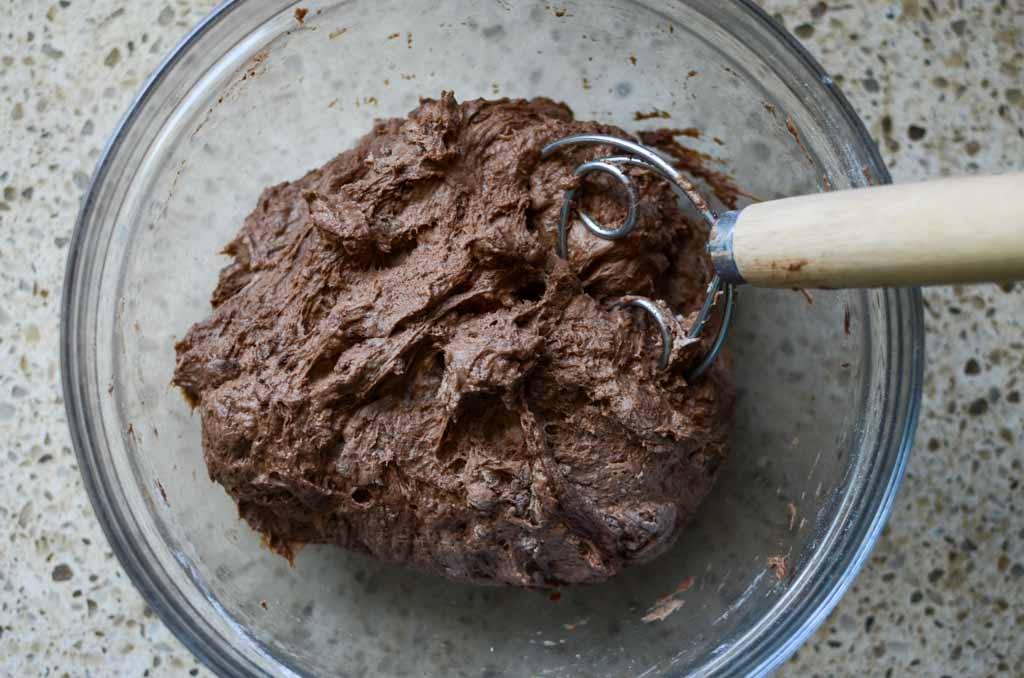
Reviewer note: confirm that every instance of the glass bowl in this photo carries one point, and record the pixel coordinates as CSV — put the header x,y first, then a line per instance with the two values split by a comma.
x,y
259,93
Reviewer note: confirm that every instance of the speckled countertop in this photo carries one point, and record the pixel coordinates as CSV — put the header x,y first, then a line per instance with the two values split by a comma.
x,y
939,85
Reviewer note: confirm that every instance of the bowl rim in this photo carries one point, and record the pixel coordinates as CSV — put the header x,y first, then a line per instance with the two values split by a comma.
x,y
752,664
206,643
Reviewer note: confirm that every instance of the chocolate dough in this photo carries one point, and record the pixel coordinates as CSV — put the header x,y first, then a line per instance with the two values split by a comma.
x,y
398,362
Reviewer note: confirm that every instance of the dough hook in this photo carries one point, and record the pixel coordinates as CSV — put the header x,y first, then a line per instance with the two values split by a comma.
x,y
944,231
645,158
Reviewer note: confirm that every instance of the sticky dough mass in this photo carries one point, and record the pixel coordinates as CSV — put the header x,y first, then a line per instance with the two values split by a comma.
x,y
397,361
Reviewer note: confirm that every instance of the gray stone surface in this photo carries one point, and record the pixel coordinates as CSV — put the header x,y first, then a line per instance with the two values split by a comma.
x,y
939,85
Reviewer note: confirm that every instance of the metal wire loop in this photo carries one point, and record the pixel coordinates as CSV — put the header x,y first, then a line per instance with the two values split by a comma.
x,y
663,327
648,159
607,167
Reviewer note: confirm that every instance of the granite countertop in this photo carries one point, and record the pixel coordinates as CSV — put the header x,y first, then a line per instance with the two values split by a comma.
x,y
939,85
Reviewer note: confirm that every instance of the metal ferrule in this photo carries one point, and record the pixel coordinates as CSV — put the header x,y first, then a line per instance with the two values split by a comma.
x,y
720,249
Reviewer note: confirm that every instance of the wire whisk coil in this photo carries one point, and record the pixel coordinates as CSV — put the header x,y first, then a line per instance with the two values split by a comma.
x,y
645,158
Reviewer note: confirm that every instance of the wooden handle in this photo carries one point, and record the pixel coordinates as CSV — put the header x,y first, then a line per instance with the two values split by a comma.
x,y
938,232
